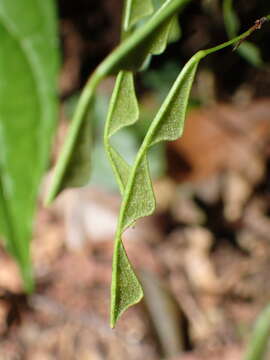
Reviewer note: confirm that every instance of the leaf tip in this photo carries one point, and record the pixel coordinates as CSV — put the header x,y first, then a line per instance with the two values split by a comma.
x,y
126,289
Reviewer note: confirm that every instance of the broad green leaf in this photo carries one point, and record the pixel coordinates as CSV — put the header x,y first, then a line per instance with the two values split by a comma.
x,y
126,289
28,113
135,10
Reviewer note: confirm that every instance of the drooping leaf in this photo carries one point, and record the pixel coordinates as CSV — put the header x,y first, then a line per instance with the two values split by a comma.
x,y
28,109
124,109
160,40
126,289
175,30
138,199
120,167
78,170
141,199
171,117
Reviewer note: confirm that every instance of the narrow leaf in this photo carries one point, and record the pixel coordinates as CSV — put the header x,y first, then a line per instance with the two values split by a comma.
x,y
160,40
124,109
120,167
171,116
175,30
78,168
28,113
141,199
126,289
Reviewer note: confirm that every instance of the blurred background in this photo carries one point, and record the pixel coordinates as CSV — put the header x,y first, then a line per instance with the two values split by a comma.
x,y
204,256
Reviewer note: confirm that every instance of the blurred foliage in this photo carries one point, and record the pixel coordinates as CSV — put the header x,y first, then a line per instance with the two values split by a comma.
x,y
248,50
28,115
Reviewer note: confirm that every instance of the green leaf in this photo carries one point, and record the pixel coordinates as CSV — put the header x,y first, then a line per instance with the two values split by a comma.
x,y
160,40
124,109
126,289
78,169
135,10
170,120
28,113
141,199
175,30
120,167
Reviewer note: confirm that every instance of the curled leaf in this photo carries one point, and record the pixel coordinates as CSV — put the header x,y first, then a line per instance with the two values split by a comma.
x,y
169,122
124,109
120,167
126,289
141,200
138,199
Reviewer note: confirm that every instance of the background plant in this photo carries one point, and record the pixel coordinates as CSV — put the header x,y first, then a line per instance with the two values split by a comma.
x,y
28,113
